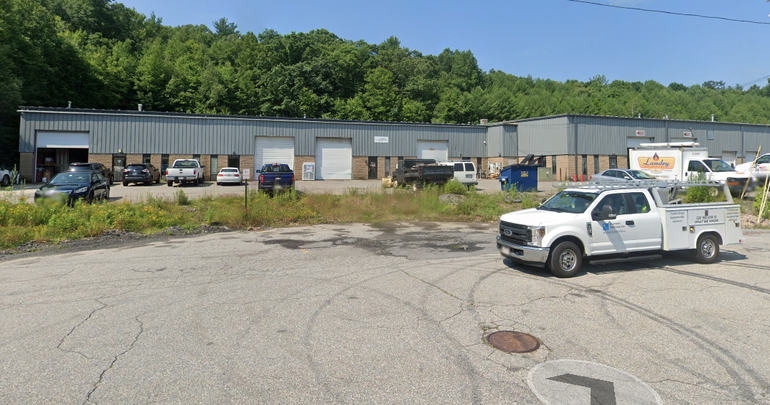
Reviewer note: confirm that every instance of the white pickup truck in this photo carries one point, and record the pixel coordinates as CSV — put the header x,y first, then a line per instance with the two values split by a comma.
x,y
607,223
185,171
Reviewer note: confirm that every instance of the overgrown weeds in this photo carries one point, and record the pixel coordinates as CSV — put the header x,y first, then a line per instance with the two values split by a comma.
x,y
23,221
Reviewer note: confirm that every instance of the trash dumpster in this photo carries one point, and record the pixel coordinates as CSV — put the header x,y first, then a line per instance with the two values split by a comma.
x,y
522,175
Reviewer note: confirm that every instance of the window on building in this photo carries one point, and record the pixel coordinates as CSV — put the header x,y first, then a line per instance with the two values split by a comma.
x,y
613,161
399,162
146,158
197,157
596,163
553,164
233,161
163,162
585,164
387,166
214,169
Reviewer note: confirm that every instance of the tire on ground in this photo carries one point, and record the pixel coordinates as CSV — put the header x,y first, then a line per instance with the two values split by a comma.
x,y
707,249
565,259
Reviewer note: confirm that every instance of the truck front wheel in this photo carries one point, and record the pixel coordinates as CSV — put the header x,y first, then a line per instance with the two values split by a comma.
x,y
707,249
565,260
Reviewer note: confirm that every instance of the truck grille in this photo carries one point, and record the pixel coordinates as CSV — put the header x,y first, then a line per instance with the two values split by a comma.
x,y
519,234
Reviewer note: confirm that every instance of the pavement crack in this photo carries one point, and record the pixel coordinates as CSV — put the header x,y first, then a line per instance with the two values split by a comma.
x,y
61,342
114,360
434,286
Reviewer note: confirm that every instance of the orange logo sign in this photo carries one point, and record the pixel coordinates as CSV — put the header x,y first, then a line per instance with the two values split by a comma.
x,y
656,162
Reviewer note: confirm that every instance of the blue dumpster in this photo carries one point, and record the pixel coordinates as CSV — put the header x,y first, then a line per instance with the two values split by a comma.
x,y
523,175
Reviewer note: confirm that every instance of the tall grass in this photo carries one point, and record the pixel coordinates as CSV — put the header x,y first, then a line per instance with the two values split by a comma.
x,y
22,222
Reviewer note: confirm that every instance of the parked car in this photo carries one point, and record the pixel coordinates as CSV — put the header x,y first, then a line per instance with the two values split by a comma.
x,y
73,185
465,172
230,175
275,177
758,170
104,170
5,177
611,175
141,173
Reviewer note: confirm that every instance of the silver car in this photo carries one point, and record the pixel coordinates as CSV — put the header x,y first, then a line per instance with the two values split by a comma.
x,y
230,175
611,175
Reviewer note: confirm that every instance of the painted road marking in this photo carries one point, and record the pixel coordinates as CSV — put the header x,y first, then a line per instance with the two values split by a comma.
x,y
576,382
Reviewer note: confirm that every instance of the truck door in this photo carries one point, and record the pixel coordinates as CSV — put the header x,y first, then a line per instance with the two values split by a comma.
x,y
609,235
636,226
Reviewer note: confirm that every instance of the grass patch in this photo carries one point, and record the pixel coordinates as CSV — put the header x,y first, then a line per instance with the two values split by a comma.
x,y
23,221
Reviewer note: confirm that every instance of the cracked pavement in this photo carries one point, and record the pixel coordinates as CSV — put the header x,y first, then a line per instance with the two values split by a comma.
x,y
385,313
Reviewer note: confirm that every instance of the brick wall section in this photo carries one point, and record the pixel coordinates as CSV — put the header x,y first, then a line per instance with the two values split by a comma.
x,y
623,162
563,164
206,161
360,167
298,161
604,163
26,167
381,167
172,158
221,162
133,158
155,161
247,162
103,158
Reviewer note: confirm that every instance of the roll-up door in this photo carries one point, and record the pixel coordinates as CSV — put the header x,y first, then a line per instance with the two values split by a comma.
x,y
66,140
436,150
274,150
334,159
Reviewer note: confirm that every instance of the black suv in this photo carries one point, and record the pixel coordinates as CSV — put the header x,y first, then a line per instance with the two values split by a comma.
x,y
141,173
104,170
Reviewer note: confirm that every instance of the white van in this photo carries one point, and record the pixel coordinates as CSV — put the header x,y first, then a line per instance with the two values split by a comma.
x,y
465,172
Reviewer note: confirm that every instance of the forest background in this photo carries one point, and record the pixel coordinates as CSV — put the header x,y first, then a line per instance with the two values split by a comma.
x,y
101,54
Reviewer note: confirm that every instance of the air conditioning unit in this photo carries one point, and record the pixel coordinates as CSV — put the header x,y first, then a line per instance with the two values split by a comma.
x,y
308,171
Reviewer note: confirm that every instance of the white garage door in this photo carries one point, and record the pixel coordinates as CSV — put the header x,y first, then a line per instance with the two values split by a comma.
x,y
68,140
437,150
274,150
333,159
635,142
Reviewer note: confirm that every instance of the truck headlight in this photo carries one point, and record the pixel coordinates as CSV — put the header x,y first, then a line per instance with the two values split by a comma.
x,y
536,234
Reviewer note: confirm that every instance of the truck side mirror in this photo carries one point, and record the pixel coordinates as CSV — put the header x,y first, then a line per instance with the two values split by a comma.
x,y
605,213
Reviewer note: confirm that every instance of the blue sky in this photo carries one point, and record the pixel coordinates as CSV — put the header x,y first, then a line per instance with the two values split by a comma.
x,y
553,39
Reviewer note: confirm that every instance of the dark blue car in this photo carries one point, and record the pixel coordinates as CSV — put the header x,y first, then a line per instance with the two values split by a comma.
x,y
75,185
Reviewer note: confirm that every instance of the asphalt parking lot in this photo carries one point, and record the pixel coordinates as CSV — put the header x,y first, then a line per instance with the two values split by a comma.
x,y
137,192
377,313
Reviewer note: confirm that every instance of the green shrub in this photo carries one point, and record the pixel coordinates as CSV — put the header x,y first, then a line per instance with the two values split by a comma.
x,y
454,187
699,194
181,198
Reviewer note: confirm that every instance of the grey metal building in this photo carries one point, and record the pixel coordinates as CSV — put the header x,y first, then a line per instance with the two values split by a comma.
x,y
51,138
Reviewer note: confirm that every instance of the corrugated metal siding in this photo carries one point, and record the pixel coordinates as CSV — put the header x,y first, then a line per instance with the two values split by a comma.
x,y
137,133
753,138
543,137
608,135
495,136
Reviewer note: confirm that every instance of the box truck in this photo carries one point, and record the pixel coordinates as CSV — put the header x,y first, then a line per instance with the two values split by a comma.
x,y
681,160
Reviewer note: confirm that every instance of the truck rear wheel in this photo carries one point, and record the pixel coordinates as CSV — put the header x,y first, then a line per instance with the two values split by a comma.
x,y
170,183
565,260
707,249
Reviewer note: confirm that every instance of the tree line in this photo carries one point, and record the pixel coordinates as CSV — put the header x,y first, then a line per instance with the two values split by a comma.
x,y
101,54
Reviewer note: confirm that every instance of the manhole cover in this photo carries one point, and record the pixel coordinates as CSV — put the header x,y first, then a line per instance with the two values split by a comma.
x,y
513,342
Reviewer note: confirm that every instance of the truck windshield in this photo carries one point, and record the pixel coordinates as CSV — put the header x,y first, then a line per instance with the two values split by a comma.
x,y
718,165
575,202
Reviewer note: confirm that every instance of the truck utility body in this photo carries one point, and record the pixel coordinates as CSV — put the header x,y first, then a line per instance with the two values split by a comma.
x,y
681,160
611,222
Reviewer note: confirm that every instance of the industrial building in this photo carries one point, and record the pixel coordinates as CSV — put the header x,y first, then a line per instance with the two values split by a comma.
x,y
575,145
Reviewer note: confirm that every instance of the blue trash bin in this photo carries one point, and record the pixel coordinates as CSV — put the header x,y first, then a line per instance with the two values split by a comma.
x,y
523,177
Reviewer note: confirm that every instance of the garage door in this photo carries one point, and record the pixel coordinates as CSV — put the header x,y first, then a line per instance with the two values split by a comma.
x,y
67,140
436,150
274,150
333,159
